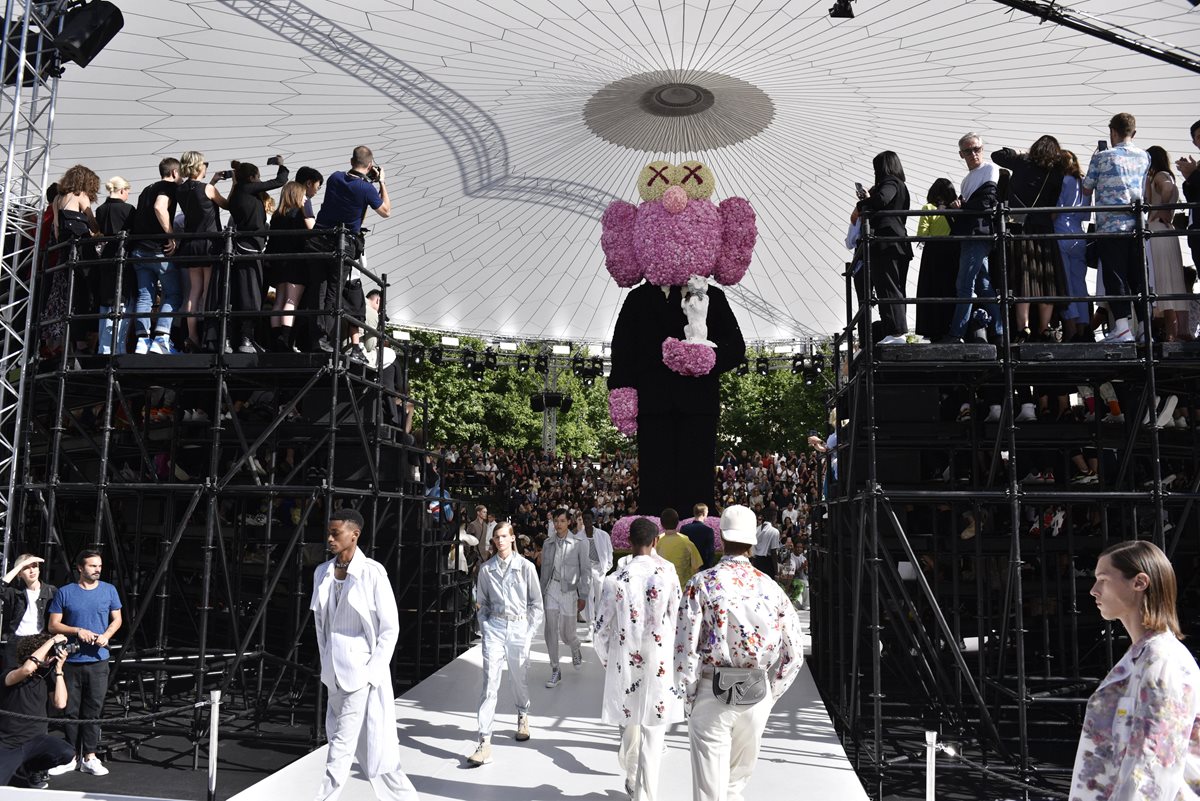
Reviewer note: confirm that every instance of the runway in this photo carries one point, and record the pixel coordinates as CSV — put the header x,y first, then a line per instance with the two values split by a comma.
x,y
571,754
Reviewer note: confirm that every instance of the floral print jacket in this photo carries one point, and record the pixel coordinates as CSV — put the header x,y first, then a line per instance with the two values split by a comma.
x,y
635,635
1141,732
733,615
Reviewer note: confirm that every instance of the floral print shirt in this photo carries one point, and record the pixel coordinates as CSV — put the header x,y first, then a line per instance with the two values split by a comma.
x,y
733,615
635,636
1141,732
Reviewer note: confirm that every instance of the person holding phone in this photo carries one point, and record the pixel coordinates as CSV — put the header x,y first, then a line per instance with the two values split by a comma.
x,y
888,260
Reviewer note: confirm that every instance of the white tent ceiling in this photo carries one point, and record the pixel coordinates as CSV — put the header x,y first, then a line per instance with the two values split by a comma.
x,y
498,182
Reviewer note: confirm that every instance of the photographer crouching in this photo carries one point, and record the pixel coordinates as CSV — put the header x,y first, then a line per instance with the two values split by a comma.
x,y
27,751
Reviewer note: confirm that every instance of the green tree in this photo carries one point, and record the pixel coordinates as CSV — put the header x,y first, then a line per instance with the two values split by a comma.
x,y
771,412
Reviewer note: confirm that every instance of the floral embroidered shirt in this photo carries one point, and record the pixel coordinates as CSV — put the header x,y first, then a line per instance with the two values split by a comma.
x,y
1116,177
1141,732
635,639
733,615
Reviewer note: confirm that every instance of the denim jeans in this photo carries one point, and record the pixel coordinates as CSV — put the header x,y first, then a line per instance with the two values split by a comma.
x,y
151,274
106,327
973,281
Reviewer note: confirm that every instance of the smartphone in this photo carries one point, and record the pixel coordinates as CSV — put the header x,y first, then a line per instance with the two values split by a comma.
x,y
1102,144
858,190
274,160
224,175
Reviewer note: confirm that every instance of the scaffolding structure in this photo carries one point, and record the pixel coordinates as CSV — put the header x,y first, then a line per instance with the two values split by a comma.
x,y
954,559
207,480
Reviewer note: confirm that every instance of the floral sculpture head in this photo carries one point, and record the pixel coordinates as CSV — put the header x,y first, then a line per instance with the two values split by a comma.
x,y
677,231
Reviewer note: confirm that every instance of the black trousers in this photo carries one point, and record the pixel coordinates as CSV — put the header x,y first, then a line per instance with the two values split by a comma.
x,y
1123,273
245,295
889,274
39,753
87,684
676,461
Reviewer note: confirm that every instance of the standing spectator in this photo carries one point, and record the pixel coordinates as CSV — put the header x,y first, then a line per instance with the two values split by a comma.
x,y
676,548
289,276
154,217
27,689
635,638
889,260
939,263
701,536
1077,315
1034,265
201,203
1116,177
354,610
1165,256
72,218
978,194
89,610
1191,191
600,557
1141,728
737,650
26,602
765,545
112,217
477,528
565,578
510,612
248,214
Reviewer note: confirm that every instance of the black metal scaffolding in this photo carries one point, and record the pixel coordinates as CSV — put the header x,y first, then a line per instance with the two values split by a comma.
x,y
207,480
951,578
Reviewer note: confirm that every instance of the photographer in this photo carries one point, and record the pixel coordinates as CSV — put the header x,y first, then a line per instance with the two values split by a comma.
x,y
25,598
25,744
348,195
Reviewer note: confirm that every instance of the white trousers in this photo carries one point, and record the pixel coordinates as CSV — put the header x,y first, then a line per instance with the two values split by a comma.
x,y
560,625
345,726
725,741
504,641
595,590
641,758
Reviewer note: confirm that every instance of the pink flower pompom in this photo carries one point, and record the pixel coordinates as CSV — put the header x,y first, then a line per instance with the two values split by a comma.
x,y
688,358
616,240
675,199
737,245
623,409
620,532
673,246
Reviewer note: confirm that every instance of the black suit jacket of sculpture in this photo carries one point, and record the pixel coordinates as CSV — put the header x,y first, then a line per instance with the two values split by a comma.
x,y
677,415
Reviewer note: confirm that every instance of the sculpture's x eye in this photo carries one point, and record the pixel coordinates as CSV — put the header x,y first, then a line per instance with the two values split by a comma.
x,y
695,178
654,179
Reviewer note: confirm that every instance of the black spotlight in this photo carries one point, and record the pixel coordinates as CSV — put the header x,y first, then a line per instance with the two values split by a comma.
x,y
841,9
542,364
578,366
797,363
597,366
763,365
523,363
436,354
87,29
417,352
477,371
489,359
468,358
743,368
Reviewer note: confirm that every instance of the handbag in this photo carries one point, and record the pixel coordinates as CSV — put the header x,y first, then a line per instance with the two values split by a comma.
x,y
739,686
1019,219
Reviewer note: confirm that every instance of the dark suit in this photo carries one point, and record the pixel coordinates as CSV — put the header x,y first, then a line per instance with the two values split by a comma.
x,y
702,537
1191,194
889,260
677,415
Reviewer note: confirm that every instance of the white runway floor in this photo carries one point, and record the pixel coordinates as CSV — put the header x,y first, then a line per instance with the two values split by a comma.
x,y
571,754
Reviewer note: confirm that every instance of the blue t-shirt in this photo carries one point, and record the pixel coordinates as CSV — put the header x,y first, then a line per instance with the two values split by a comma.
x,y
86,609
347,196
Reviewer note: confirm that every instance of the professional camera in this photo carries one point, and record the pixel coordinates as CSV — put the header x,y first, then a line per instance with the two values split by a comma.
x,y
373,174
64,648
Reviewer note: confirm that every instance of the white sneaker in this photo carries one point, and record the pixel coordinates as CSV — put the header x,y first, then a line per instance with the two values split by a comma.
x,y
893,340
1166,414
143,345
1120,335
94,766
162,345
993,414
61,769
555,678
577,658
1028,413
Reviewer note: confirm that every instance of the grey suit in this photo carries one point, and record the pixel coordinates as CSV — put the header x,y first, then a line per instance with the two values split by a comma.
x,y
566,575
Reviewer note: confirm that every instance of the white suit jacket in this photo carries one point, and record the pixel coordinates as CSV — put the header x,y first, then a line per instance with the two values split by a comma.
x,y
604,548
368,596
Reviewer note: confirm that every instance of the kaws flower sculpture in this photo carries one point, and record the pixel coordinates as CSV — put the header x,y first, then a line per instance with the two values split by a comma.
x,y
675,334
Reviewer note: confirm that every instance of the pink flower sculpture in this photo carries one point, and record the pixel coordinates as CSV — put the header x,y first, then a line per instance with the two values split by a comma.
x,y
620,532
688,358
623,410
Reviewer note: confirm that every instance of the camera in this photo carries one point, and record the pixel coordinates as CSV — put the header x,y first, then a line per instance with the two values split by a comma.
x,y
273,161
373,174
64,649
224,175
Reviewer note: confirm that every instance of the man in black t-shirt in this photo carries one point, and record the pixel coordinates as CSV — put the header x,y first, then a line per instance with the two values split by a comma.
x,y
25,745
155,216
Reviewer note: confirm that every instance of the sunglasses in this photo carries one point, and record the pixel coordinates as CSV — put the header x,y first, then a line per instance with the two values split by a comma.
x,y
970,150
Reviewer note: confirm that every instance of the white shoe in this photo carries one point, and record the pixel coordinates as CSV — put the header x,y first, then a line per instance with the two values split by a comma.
x,y
1028,413
893,340
61,769
143,345
1120,335
1166,414
577,658
161,345
94,766
993,414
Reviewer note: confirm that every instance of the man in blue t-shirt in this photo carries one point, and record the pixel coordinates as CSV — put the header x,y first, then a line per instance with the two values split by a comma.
x,y
89,610
348,195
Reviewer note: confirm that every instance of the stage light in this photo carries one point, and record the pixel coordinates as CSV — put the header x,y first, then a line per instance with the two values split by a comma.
x,y
468,358
561,350
523,363
436,355
578,366
489,359
542,364
477,372
763,365
508,346
417,352
402,335
743,368
86,30
842,9
450,342
797,363
597,366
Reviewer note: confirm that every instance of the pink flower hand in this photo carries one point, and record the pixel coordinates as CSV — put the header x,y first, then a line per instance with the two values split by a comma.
x,y
623,409
616,239
738,235
688,358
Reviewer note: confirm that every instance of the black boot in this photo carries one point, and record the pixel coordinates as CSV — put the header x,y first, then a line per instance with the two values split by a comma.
x,y
277,344
287,339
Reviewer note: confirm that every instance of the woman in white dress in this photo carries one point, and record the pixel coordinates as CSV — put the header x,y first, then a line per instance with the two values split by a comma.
x,y
1163,251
